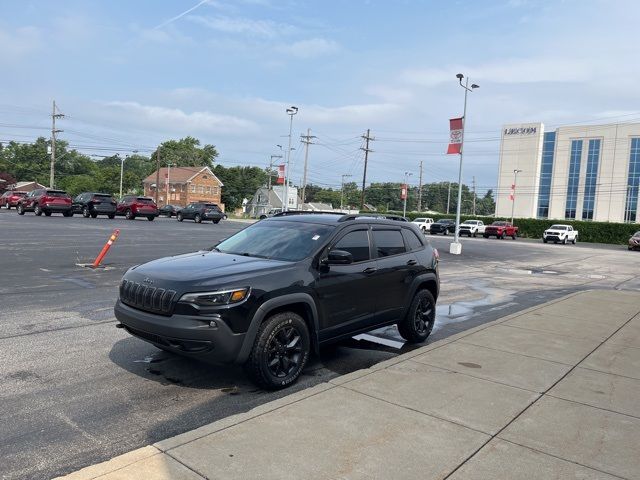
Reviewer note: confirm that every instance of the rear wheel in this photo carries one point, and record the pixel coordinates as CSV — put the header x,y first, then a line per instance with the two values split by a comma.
x,y
575,239
20,209
179,217
85,212
216,221
197,218
129,215
280,351
48,214
112,216
418,323
37,210
503,236
67,214
514,236
485,235
151,218
94,215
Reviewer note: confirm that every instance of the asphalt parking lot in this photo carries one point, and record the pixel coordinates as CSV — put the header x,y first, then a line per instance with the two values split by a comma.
x,y
76,390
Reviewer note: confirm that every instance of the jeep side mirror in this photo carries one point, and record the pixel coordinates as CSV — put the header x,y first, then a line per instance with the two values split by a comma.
x,y
339,257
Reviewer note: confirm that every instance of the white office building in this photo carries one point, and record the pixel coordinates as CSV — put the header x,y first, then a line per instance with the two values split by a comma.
x,y
586,172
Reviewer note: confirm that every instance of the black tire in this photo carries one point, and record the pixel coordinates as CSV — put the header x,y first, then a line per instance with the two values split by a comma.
x,y
262,217
67,214
503,236
575,240
216,221
20,209
94,215
85,212
197,218
445,232
151,218
513,236
417,325
37,210
475,234
112,216
544,240
485,236
564,241
48,214
280,351
129,215
179,217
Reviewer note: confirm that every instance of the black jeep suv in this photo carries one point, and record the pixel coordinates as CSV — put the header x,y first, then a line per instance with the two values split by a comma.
x,y
200,211
272,293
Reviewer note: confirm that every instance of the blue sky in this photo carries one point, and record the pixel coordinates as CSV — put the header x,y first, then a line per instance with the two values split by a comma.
x,y
130,74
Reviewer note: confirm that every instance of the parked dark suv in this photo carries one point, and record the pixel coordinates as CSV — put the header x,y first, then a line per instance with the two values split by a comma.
x,y
201,211
283,287
444,226
47,201
132,206
94,204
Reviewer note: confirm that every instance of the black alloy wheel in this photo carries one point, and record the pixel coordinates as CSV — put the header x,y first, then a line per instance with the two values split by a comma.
x,y
280,352
179,217
37,210
20,209
129,215
418,324
85,212
197,218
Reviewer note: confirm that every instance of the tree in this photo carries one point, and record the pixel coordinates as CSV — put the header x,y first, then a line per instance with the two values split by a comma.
x,y
486,205
239,183
186,152
8,178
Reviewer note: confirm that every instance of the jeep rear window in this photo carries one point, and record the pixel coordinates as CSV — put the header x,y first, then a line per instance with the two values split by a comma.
x,y
287,241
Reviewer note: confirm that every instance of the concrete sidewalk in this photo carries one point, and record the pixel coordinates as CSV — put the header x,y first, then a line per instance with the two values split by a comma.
x,y
552,392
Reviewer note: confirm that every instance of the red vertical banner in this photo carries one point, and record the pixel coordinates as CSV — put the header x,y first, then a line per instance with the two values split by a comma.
x,y
280,175
403,191
455,137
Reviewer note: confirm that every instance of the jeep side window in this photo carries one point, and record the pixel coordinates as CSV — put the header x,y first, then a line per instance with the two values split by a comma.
x,y
412,239
356,243
388,242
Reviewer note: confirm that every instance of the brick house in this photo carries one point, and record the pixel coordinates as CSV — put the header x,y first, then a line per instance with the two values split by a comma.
x,y
186,185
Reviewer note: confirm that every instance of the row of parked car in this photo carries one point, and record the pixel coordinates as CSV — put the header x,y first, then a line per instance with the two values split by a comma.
x,y
499,229
91,204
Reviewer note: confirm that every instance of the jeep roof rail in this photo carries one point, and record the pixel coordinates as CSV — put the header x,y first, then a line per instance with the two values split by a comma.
x,y
305,212
353,216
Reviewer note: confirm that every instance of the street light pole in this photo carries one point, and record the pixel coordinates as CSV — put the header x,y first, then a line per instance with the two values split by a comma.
x,y
513,201
456,248
291,111
342,188
406,192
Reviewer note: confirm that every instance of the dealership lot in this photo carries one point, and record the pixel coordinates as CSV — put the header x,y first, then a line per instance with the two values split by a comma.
x,y
76,390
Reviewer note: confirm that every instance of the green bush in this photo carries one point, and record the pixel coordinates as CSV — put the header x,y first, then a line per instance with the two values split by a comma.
x,y
593,232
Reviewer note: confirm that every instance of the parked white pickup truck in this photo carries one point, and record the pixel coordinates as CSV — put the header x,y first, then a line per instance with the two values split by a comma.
x,y
423,223
472,227
560,233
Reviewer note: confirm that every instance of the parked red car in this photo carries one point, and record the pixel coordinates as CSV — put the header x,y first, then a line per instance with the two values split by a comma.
x,y
132,206
10,199
47,201
500,230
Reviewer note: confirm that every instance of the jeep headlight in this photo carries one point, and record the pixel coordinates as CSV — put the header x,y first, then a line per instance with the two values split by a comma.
x,y
212,299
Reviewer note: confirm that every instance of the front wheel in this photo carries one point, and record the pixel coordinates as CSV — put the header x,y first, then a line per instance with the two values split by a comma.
x,y
85,212
37,210
575,239
129,215
20,210
68,213
513,236
544,240
151,218
280,351
564,241
179,217
197,218
418,323
503,236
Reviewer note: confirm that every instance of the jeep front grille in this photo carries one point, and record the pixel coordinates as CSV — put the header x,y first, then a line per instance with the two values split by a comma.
x,y
143,297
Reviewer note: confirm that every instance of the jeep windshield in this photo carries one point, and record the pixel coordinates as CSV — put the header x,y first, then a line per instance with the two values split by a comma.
x,y
287,241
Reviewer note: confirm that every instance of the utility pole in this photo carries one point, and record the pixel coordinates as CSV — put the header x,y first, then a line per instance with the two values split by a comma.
x,y
474,196
306,139
420,189
366,149
54,115
448,197
157,172
342,189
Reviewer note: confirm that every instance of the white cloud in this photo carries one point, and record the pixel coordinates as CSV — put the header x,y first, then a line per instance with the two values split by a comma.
x,y
174,119
20,42
244,26
311,48
389,94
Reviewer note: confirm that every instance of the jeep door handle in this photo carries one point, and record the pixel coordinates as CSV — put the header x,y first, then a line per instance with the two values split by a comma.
x,y
370,270
412,262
